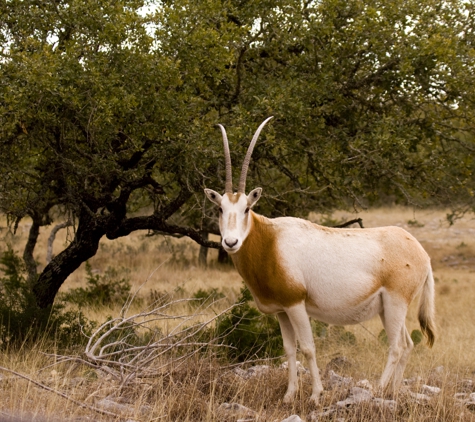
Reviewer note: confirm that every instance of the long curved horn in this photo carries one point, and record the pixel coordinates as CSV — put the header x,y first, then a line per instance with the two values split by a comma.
x,y
247,159
227,159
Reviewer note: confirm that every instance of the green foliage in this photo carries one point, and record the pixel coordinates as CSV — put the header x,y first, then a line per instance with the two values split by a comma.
x,y
204,297
320,329
249,333
106,110
415,223
20,317
383,337
417,336
335,333
101,290
343,336
15,294
329,221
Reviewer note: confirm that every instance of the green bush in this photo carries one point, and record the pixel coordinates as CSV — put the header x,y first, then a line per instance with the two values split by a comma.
x,y
320,329
107,289
383,337
335,332
416,336
249,333
205,297
20,317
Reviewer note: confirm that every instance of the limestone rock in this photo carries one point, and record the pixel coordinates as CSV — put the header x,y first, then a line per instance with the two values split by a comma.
x,y
468,402
316,416
429,390
113,406
365,384
237,410
357,395
253,371
337,381
419,398
293,418
339,363
466,385
385,404
413,381
438,370
240,372
301,370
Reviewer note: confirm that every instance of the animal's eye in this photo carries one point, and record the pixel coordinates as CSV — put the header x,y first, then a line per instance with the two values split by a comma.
x,y
247,210
220,210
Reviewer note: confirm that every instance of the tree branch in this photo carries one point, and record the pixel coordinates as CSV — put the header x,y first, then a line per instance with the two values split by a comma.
x,y
155,223
52,236
349,223
28,257
44,387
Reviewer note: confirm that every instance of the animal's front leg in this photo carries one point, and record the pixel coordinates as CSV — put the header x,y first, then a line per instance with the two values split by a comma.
x,y
290,347
301,324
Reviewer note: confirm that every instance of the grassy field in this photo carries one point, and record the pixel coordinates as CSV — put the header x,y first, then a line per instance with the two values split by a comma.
x,y
195,390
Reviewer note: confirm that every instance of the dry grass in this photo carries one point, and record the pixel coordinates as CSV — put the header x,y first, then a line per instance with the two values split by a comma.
x,y
193,391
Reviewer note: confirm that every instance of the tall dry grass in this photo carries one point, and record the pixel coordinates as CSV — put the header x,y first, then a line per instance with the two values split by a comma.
x,y
193,392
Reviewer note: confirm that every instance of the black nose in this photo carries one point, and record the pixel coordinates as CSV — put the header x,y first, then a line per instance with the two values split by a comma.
x,y
231,241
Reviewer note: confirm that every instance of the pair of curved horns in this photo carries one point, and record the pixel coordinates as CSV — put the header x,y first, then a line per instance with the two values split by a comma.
x,y
247,159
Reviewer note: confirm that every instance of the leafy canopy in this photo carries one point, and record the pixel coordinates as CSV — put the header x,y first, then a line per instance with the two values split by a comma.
x,y
108,110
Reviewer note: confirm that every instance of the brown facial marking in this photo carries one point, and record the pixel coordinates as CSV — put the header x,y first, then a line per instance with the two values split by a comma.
x,y
232,221
259,264
233,198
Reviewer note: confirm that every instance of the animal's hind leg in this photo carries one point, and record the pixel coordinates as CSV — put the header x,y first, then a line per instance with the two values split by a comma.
x,y
301,323
290,347
408,345
393,317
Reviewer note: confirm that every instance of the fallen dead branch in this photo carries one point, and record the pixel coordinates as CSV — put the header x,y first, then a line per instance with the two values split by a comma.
x,y
59,393
130,347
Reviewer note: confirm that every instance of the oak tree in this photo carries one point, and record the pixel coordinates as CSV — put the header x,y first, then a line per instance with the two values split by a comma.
x,y
108,111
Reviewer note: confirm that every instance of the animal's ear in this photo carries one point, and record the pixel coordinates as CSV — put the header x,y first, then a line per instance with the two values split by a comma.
x,y
213,196
254,196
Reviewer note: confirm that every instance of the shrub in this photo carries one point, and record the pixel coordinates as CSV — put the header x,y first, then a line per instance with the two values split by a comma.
x,y
21,319
320,329
205,297
416,336
107,289
335,332
249,333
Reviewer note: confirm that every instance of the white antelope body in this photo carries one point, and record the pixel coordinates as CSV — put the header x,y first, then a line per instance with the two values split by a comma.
x,y
297,269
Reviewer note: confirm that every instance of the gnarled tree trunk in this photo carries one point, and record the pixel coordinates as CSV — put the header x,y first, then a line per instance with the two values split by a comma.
x,y
203,254
28,257
84,246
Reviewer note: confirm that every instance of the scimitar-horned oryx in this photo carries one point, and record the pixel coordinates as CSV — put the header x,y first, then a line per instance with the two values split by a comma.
x,y
297,269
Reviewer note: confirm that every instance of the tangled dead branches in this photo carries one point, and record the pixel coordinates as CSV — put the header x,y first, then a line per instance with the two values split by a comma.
x,y
138,346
